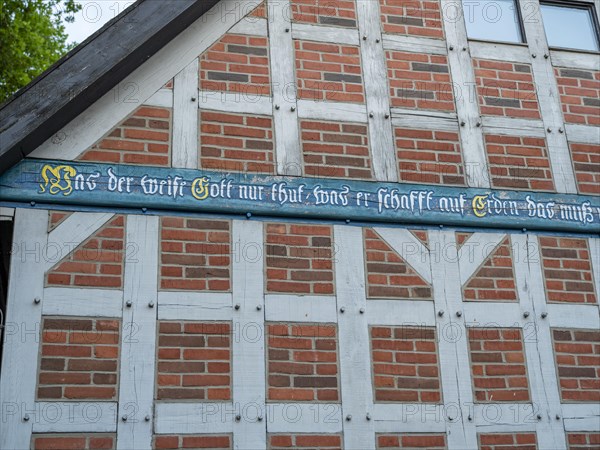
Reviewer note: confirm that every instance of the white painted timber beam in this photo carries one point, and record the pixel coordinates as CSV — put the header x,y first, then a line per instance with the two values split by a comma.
x,y
295,308
184,148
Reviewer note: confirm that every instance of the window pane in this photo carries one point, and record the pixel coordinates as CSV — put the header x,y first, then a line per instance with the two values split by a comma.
x,y
569,27
492,20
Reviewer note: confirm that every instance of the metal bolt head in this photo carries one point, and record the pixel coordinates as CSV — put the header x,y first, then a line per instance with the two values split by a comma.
x,y
458,313
561,131
387,116
144,209
558,417
258,307
151,305
37,300
470,419
26,418
368,416
124,418
347,220
533,55
348,418
237,307
526,314
248,215
364,37
193,99
478,124
293,108
147,418
238,418
371,115
277,107
32,203
362,310
441,313
287,30
464,49
462,123
342,310
378,40
260,418
451,47
544,315
539,417
129,303
546,55
549,130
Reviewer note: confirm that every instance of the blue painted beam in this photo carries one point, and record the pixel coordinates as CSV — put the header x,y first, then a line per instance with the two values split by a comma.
x,y
127,186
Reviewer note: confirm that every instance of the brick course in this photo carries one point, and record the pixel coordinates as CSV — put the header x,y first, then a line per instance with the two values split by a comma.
x,y
507,441
97,262
299,259
498,365
176,442
583,441
586,162
237,63
236,142
410,441
567,270
329,72
506,89
73,441
412,17
79,359
302,362
306,441
419,81
579,94
333,149
144,138
341,13
495,279
194,361
389,275
519,163
431,157
577,355
405,364
195,254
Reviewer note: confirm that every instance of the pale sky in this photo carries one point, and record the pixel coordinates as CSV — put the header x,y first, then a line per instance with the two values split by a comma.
x,y
93,15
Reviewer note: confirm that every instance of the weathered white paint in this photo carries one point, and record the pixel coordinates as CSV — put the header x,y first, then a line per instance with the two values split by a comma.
x,y
248,344
304,417
163,98
463,77
79,302
584,134
409,418
353,337
137,365
22,333
575,60
337,111
425,122
283,78
381,136
319,33
414,44
233,102
83,131
295,308
184,153
539,354
573,316
474,251
455,372
194,418
70,233
185,305
505,417
7,213
548,98
75,417
405,312
500,51
492,314
252,26
581,416
510,126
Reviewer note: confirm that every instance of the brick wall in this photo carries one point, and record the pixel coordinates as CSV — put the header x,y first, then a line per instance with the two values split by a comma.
x,y
143,138
411,441
506,89
333,149
194,361
309,441
583,441
73,441
498,365
432,157
580,95
389,275
299,259
79,359
519,163
236,142
302,363
329,72
578,364
586,162
405,364
495,279
97,262
260,10
55,218
419,81
237,63
213,442
506,441
195,254
567,270
340,13
412,17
